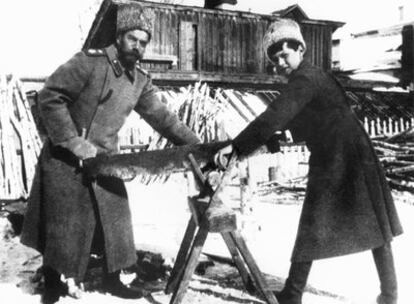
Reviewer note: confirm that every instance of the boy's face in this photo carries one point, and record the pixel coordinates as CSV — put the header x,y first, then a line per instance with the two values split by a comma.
x,y
287,60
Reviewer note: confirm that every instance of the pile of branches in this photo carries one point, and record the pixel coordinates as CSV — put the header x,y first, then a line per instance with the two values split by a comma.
x,y
197,109
212,114
286,192
396,154
20,143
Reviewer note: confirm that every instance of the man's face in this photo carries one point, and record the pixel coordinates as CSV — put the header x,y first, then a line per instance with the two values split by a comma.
x,y
132,45
287,60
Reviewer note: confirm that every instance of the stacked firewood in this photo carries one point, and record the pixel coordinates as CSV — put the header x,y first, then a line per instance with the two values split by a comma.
x,y
295,186
396,153
19,140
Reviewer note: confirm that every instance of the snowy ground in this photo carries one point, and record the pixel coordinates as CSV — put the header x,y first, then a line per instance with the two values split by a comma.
x,y
160,216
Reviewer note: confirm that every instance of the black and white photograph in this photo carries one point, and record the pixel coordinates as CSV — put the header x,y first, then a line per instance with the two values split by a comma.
x,y
207,151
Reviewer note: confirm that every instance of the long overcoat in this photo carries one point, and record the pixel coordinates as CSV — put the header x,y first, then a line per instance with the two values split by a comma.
x,y
91,91
348,206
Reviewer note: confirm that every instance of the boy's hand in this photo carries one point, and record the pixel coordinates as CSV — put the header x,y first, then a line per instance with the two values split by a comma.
x,y
222,157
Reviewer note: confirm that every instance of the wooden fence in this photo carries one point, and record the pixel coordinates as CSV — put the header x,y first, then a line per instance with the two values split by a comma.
x,y
388,127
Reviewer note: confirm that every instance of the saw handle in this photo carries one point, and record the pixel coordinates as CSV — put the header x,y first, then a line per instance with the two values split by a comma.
x,y
223,156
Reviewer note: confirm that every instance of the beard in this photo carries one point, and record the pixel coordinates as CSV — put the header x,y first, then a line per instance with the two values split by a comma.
x,y
130,58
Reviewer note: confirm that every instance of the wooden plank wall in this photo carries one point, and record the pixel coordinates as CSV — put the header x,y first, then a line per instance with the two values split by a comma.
x,y
319,46
225,42
407,55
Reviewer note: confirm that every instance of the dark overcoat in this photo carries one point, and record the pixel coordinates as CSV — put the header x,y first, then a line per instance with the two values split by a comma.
x,y
91,91
348,205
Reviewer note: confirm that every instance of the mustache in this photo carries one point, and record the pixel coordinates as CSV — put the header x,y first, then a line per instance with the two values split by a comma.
x,y
133,53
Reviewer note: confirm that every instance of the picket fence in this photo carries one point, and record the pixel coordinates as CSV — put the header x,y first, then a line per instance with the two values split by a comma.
x,y
388,127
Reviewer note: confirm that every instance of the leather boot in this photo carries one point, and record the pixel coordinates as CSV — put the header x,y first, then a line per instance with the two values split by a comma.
x,y
53,286
384,263
295,283
113,285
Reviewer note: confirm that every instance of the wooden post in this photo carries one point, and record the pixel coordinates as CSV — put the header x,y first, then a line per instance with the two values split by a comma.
x,y
407,58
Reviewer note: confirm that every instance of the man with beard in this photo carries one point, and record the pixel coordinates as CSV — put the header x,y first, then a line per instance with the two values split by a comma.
x,y
83,105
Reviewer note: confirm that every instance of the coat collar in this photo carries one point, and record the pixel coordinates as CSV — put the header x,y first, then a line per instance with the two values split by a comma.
x,y
303,65
113,58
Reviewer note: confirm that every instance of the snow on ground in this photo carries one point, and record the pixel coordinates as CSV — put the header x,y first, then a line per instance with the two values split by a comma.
x,y
270,233
160,215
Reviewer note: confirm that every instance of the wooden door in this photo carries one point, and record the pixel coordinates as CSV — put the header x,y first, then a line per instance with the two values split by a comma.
x,y
188,46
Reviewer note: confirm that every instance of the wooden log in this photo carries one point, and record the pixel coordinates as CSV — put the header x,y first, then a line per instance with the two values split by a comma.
x,y
409,157
387,159
395,147
233,106
384,151
212,213
401,170
219,218
398,163
401,176
401,185
240,104
400,136
216,218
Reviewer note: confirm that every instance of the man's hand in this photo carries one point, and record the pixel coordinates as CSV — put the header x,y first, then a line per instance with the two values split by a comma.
x,y
81,147
222,157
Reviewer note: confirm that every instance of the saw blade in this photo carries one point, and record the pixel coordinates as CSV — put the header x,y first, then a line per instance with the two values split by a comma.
x,y
154,162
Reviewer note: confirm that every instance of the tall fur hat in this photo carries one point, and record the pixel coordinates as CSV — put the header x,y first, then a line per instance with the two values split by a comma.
x,y
281,30
132,16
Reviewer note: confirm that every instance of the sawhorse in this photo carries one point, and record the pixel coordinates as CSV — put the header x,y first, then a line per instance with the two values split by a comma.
x,y
200,224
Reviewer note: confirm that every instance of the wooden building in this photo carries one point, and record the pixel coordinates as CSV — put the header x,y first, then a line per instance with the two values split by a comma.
x,y
219,46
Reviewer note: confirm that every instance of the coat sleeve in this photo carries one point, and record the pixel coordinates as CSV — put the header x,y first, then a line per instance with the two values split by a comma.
x,y
299,92
159,117
61,89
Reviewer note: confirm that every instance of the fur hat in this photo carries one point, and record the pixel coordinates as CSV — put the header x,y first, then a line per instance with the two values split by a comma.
x,y
281,30
132,16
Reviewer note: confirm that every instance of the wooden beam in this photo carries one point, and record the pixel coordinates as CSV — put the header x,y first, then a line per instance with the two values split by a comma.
x,y
189,266
171,59
239,262
365,85
168,78
182,255
228,80
254,269
407,56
